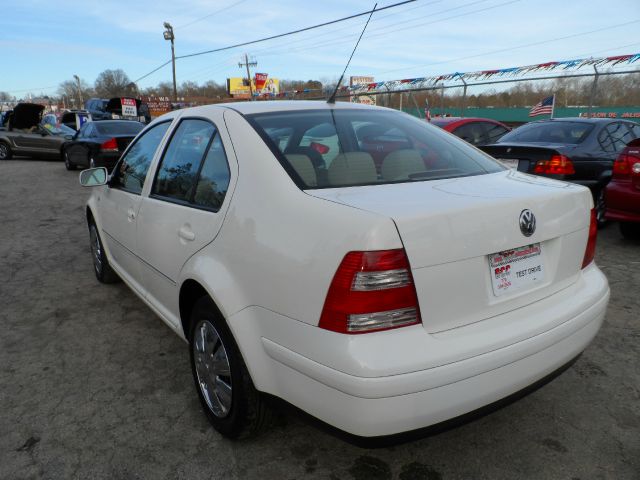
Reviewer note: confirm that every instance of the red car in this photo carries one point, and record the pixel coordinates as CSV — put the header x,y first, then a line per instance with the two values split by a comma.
x,y
623,192
476,131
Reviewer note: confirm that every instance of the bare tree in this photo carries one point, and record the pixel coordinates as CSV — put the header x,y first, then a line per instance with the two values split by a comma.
x,y
71,96
114,83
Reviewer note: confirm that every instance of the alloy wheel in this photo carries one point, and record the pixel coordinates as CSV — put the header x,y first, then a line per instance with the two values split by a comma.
x,y
212,369
600,207
4,151
96,249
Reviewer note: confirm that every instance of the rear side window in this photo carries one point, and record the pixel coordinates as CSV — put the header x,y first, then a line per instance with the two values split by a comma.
x,y
213,181
177,173
550,132
348,147
132,169
614,137
194,169
472,132
494,132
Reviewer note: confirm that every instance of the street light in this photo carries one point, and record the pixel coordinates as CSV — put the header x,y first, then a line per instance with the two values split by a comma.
x,y
168,35
77,78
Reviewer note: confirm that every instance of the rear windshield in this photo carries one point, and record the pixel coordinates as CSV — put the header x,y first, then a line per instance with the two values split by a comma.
x,y
119,128
342,148
549,132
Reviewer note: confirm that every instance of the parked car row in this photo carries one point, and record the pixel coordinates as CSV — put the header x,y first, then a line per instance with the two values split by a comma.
x,y
29,133
577,150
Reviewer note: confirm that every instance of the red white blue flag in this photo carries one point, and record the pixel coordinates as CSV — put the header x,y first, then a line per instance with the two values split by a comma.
x,y
545,107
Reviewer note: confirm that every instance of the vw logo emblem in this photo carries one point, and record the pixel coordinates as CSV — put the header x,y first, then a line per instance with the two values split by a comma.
x,y
527,222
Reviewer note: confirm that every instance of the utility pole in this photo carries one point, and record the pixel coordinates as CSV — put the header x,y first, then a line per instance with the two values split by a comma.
x,y
248,64
168,35
79,90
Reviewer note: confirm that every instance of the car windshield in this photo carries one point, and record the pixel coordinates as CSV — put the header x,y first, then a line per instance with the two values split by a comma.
x,y
118,128
549,132
349,147
59,129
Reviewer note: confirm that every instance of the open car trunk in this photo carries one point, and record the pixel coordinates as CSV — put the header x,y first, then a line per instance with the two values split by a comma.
x,y
25,115
458,234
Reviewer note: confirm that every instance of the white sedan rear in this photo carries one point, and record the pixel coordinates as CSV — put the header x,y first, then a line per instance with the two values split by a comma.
x,y
364,266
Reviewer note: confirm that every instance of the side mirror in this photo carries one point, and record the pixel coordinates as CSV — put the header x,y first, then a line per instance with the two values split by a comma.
x,y
93,177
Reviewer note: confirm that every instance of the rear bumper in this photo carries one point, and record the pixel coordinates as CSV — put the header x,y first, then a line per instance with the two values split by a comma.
x,y
334,378
623,202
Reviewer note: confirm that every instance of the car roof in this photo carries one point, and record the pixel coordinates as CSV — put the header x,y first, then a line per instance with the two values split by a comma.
x,y
249,108
580,119
448,120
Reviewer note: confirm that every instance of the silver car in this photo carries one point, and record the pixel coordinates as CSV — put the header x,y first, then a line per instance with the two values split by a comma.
x,y
26,135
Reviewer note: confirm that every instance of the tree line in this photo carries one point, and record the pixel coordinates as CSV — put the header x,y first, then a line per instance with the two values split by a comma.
x,y
618,90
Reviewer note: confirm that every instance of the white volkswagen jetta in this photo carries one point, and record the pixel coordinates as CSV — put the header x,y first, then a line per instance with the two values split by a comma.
x,y
366,267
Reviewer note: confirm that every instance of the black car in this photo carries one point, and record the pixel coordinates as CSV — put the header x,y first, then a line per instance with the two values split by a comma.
x,y
100,144
578,150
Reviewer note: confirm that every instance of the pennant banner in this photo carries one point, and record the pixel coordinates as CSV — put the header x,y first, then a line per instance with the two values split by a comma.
x,y
576,64
421,82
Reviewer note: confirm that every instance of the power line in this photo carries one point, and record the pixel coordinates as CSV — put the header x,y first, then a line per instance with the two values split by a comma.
x,y
211,14
295,31
516,47
153,71
277,36
349,37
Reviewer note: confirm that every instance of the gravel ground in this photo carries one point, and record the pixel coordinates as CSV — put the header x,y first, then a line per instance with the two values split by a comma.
x,y
94,386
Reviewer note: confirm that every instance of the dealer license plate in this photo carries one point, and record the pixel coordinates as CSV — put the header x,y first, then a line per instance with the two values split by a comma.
x,y
516,269
511,163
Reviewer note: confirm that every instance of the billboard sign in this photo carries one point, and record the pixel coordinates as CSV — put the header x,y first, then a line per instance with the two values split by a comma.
x,y
262,85
364,99
261,80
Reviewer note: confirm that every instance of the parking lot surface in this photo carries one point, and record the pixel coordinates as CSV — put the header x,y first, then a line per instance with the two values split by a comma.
x,y
94,385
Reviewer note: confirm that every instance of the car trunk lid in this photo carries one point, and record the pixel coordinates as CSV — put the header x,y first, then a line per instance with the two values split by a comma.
x,y
523,157
451,228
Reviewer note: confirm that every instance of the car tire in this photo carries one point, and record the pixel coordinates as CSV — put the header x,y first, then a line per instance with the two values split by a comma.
x,y
600,206
102,269
231,402
630,230
5,151
67,163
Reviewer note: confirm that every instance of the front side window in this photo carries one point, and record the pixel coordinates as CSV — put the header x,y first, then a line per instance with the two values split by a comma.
x,y
349,147
132,169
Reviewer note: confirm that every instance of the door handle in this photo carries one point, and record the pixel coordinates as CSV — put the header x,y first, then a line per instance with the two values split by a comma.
x,y
186,233
131,215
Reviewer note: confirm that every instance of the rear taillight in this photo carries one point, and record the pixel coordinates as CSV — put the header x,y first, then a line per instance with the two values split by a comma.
x,y
556,165
110,145
590,251
320,148
371,291
627,164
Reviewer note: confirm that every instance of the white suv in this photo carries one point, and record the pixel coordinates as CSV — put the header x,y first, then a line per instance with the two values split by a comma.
x,y
370,269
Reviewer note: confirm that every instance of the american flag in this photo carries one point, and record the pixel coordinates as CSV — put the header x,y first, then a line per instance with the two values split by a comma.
x,y
545,107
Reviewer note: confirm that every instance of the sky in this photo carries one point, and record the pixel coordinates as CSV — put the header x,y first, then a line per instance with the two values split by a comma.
x,y
43,43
